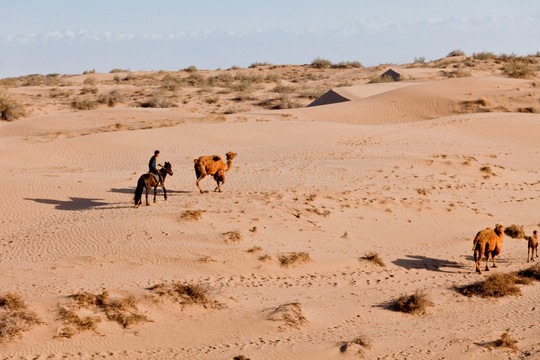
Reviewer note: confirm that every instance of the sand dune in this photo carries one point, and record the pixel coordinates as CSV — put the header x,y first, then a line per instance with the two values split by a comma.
x,y
399,170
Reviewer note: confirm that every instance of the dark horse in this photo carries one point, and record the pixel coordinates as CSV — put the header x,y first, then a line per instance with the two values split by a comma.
x,y
147,181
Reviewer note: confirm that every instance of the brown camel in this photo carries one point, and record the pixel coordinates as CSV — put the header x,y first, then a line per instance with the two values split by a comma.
x,y
532,245
488,242
213,165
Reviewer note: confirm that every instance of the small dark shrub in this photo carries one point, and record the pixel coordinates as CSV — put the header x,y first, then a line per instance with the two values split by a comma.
x,y
320,63
515,231
413,304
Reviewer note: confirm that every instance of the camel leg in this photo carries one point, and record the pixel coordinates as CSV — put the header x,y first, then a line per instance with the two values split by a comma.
x,y
531,258
487,260
479,260
199,179
493,258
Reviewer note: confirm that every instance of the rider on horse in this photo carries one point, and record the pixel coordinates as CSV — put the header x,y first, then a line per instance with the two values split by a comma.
x,y
153,164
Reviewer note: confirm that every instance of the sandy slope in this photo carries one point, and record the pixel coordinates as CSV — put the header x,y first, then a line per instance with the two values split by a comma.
x,y
335,181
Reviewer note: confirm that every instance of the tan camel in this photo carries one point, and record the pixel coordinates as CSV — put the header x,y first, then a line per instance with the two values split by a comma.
x,y
488,242
532,245
213,165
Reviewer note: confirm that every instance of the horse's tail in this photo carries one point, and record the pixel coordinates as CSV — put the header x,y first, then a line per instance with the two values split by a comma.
x,y
138,192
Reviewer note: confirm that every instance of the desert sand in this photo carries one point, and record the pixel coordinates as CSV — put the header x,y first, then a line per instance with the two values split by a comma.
x,y
409,170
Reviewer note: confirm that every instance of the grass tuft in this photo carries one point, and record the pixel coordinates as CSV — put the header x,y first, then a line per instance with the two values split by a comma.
x,y
232,236
374,258
185,294
15,317
294,258
506,341
291,314
413,304
191,215
9,109
496,285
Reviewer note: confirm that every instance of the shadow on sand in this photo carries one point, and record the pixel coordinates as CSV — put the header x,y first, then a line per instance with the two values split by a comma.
x,y
131,191
76,204
422,262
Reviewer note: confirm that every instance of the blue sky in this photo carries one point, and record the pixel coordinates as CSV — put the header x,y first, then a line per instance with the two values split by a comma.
x,y
70,36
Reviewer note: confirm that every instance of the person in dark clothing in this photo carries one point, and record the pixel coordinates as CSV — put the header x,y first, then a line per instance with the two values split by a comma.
x,y
153,164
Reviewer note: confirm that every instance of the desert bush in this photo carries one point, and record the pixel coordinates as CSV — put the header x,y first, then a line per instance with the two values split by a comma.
x,y
308,93
257,64
89,89
532,272
191,215
74,323
83,103
286,102
56,92
170,83
89,71
284,89
459,72
116,70
185,294
347,65
190,69
496,285
232,236
484,56
413,304
15,317
515,231
158,100
320,63
124,310
291,314
357,345
506,341
111,98
528,109
384,79
294,258
195,79
90,80
456,52
419,60
10,109
518,69
374,258
254,249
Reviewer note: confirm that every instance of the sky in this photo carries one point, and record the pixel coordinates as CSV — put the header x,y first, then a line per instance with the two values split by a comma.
x,y
72,36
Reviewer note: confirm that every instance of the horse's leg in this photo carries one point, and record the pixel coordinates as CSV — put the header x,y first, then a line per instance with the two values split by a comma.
x,y
155,193
164,191
147,191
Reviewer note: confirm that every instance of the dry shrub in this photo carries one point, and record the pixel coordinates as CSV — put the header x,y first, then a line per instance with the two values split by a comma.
x,y
170,83
241,357
357,345
121,310
83,103
413,304
496,285
9,108
254,249
294,258
320,63
532,272
190,69
290,314
158,100
89,89
232,236
15,317
528,109
264,258
190,215
111,98
185,294
56,92
506,341
515,231
374,258
74,323
457,52
90,80
518,69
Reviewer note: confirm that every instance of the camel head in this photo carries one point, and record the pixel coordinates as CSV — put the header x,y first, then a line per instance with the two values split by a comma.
x,y
499,228
231,155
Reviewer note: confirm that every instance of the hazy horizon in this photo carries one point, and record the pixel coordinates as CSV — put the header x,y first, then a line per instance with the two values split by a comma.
x,y
71,37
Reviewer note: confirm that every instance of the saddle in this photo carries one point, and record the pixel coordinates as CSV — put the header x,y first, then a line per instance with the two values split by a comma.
x,y
155,176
